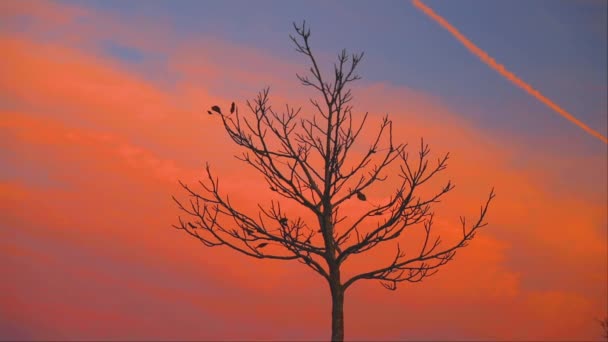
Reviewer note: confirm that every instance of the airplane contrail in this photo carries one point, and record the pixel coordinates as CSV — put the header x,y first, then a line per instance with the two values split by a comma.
x,y
491,62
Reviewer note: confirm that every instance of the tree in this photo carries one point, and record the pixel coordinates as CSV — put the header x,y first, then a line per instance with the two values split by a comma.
x,y
310,160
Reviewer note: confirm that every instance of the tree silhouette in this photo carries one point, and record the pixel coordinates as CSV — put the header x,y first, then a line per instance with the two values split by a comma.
x,y
309,160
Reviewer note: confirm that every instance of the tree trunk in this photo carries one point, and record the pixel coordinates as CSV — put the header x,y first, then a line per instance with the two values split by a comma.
x,y
337,312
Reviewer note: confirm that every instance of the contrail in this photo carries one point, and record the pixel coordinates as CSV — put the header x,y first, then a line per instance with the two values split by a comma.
x,y
503,71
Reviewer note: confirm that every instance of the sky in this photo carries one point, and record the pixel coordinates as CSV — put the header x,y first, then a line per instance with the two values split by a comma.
x,y
103,109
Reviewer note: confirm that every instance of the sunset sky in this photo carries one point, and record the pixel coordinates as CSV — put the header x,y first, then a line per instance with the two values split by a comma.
x,y
103,109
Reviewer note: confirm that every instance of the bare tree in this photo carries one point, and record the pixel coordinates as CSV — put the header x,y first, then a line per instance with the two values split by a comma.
x,y
308,160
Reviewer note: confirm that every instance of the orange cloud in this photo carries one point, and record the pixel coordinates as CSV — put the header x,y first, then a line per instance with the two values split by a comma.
x,y
112,144
491,62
